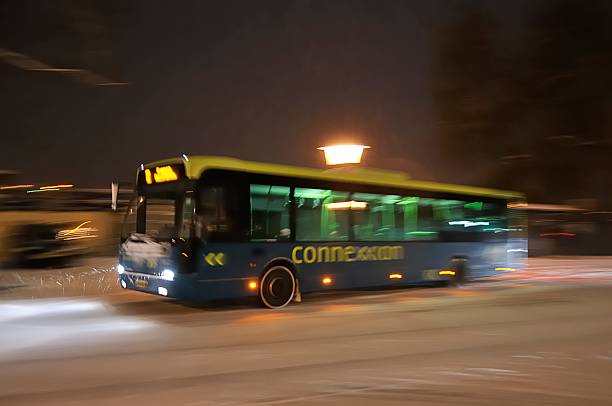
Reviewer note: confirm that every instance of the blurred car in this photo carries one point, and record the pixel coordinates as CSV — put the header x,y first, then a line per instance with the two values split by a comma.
x,y
42,245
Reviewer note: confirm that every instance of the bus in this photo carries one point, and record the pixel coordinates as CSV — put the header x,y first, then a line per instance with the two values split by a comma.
x,y
203,228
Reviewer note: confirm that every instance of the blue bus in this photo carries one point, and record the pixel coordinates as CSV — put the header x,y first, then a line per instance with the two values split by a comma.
x,y
203,228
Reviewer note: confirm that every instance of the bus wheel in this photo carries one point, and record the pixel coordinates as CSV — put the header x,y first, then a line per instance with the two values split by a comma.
x,y
277,287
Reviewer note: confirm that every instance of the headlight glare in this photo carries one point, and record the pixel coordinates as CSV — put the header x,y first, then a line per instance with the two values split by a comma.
x,y
167,275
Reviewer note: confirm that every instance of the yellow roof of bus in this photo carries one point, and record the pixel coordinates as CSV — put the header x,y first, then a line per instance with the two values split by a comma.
x,y
196,165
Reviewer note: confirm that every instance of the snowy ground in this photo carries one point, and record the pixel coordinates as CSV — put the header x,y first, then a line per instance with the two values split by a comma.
x,y
97,277
541,336
91,277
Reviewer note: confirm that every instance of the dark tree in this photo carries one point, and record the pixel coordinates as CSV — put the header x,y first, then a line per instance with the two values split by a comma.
x,y
569,93
472,92
537,120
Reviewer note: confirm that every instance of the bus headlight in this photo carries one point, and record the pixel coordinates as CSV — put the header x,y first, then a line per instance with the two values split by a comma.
x,y
120,269
167,275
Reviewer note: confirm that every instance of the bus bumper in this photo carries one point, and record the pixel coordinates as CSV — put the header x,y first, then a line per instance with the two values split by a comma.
x,y
189,287
154,284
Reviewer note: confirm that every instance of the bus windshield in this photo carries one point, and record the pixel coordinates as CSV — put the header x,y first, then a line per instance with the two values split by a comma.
x,y
161,218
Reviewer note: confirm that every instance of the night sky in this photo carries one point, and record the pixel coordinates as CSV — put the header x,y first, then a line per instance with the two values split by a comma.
x,y
258,80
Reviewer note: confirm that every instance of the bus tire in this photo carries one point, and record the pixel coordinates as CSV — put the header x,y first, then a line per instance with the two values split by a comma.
x,y
277,287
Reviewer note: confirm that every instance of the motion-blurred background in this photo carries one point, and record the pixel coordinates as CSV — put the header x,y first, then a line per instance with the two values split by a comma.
x,y
513,95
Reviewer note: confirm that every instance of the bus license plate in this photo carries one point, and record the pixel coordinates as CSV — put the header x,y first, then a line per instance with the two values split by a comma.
x,y
141,283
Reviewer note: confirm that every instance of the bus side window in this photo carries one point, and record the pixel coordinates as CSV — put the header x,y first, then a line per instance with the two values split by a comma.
x,y
321,215
426,215
375,218
270,213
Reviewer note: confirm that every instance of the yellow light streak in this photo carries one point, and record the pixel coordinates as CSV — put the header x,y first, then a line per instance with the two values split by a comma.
x,y
56,187
81,237
517,205
77,228
15,187
347,205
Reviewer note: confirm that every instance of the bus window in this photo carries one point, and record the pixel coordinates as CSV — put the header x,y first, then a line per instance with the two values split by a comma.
x,y
456,220
321,215
270,213
406,213
187,218
425,226
160,218
375,218
211,219
490,218
130,220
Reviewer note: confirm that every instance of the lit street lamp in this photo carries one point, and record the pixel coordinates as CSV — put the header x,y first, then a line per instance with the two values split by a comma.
x,y
343,154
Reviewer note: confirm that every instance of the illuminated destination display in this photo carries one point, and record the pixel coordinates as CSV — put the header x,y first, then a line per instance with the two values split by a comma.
x,y
161,174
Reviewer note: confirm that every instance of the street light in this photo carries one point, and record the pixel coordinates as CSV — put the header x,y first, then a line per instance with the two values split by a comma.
x,y
343,154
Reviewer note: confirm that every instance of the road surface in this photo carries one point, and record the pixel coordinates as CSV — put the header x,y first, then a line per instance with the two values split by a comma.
x,y
543,336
